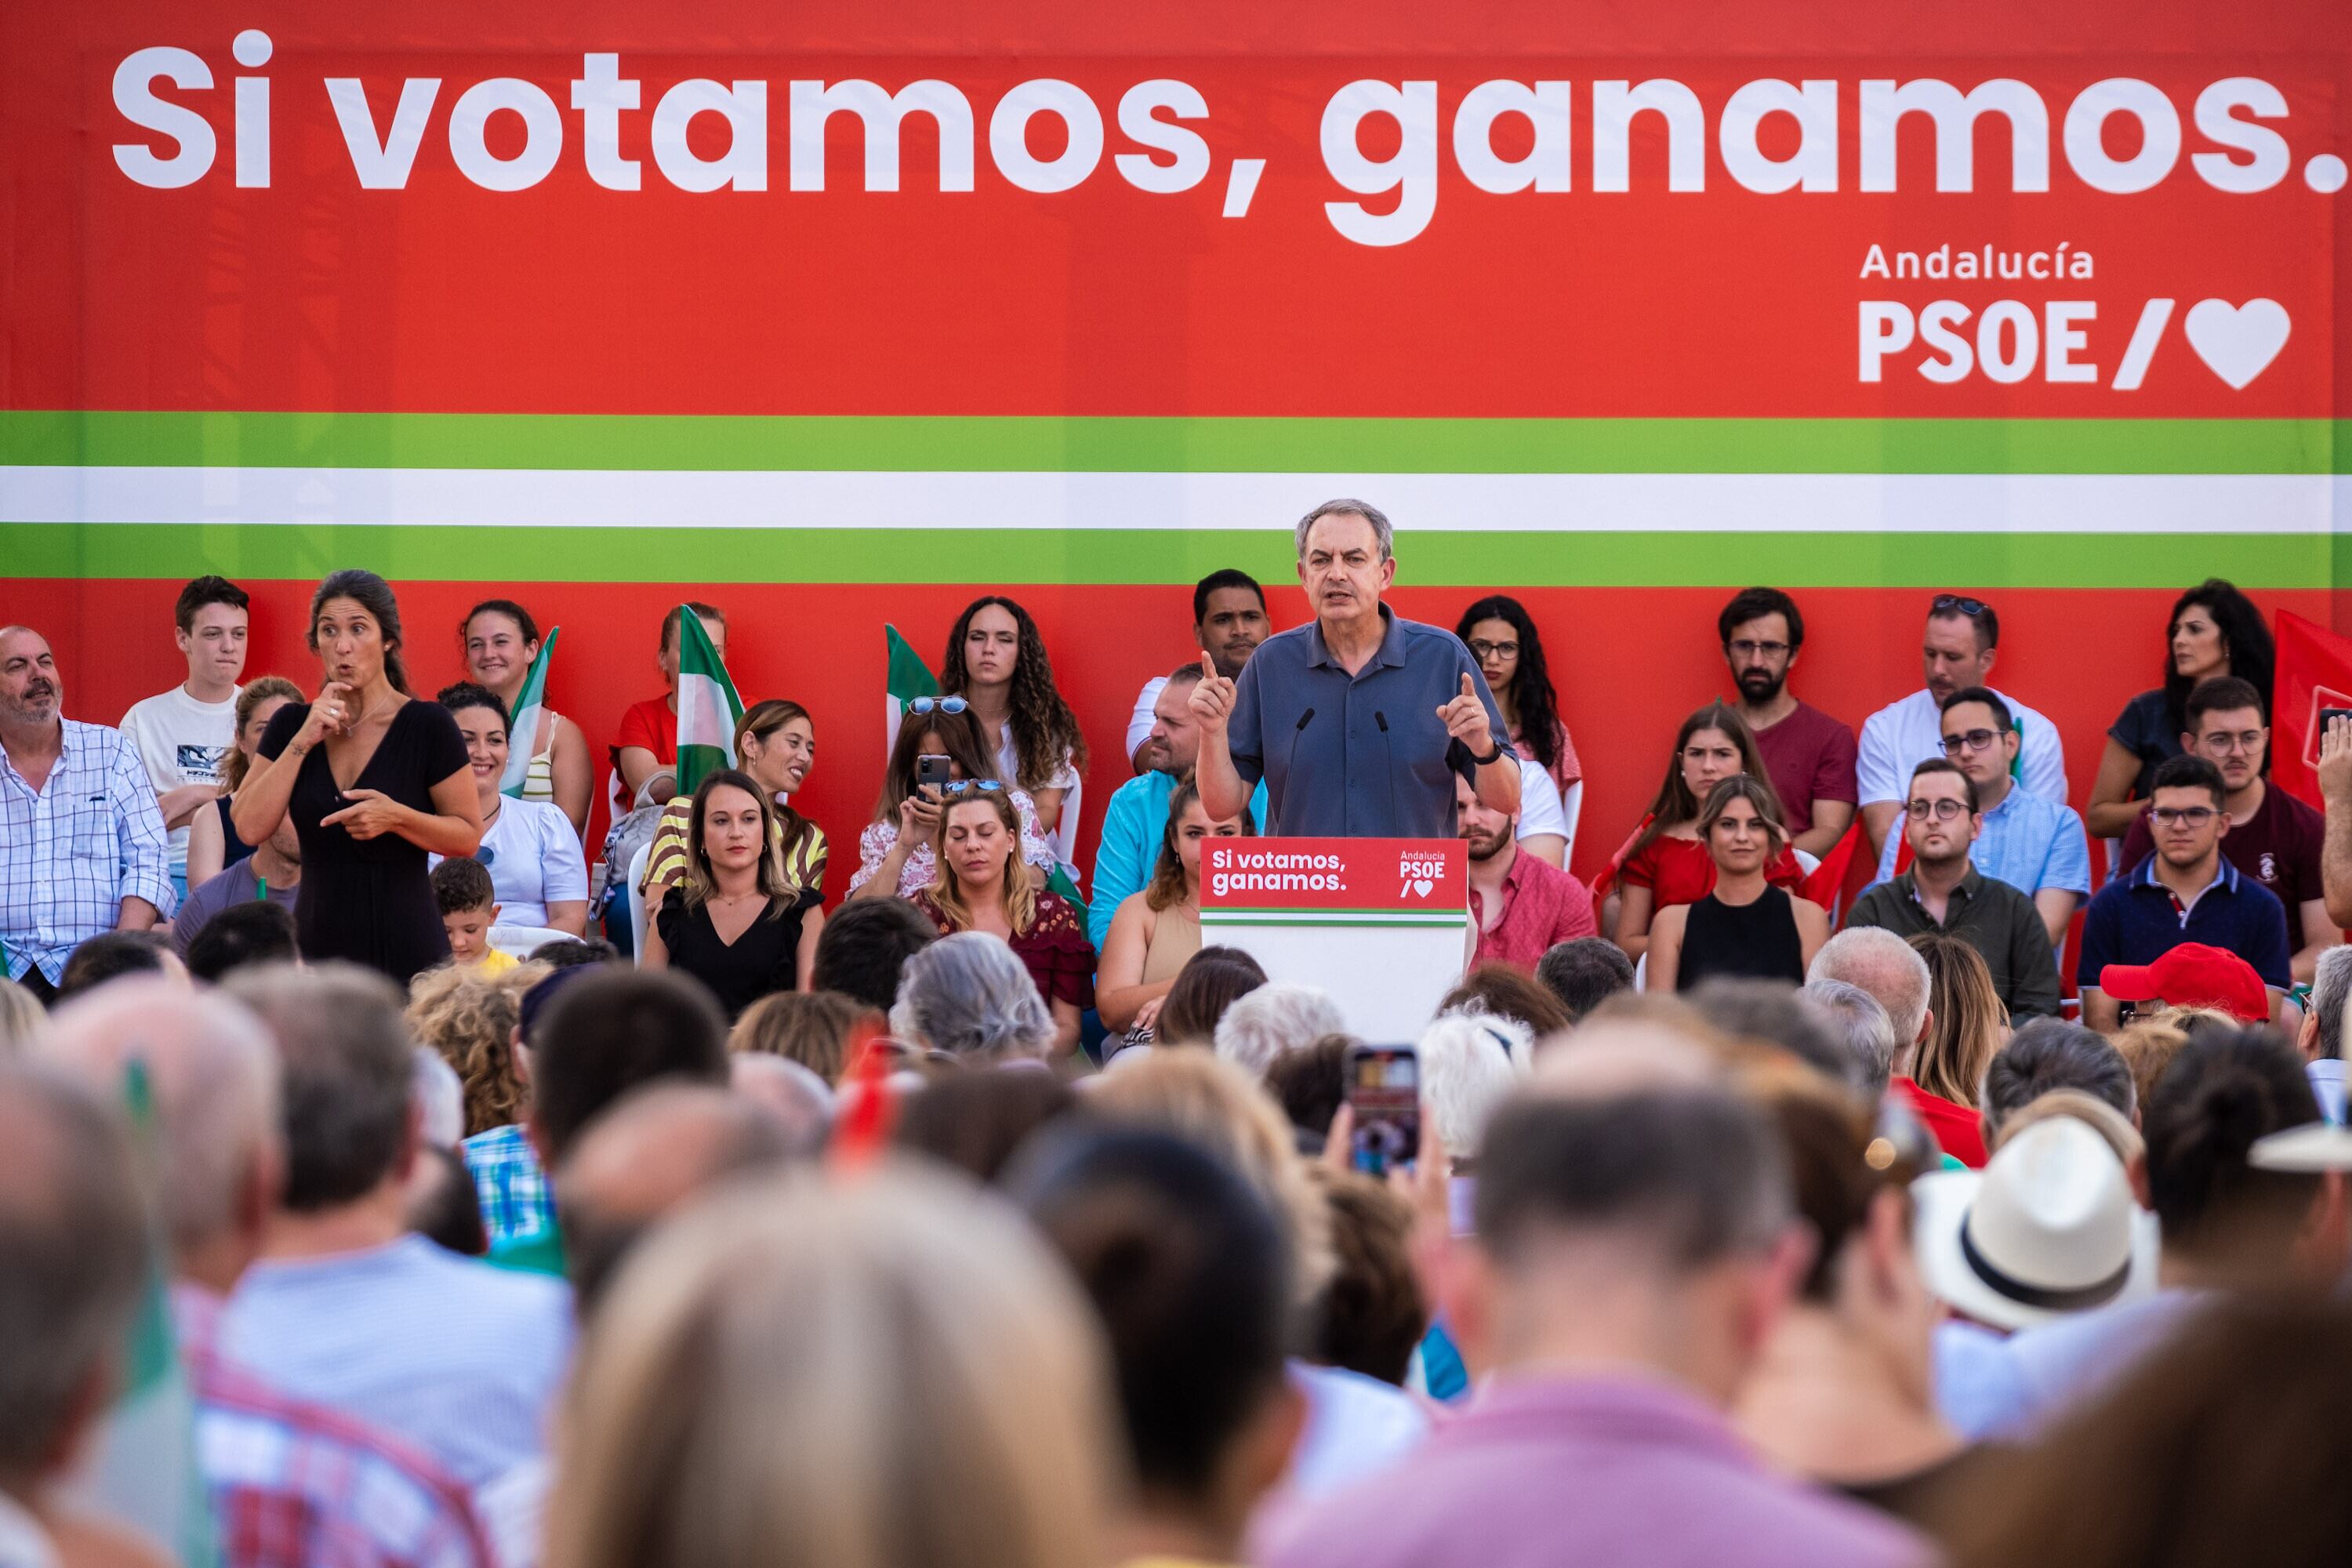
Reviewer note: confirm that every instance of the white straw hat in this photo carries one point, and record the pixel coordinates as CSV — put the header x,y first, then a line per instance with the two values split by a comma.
x,y
2048,1227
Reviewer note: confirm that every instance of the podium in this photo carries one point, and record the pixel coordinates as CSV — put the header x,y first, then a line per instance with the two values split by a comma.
x,y
1382,924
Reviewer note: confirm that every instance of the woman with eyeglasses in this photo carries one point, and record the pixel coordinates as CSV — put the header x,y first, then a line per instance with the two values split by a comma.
x,y
734,920
1502,637
996,661
982,886
1156,931
528,846
2214,630
775,743
898,853
1743,927
1667,864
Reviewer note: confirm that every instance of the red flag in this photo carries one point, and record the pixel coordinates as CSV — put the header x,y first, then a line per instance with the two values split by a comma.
x,y
1828,878
869,1110
2314,672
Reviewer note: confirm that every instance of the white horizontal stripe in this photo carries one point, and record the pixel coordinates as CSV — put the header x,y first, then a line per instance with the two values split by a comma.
x,y
1830,504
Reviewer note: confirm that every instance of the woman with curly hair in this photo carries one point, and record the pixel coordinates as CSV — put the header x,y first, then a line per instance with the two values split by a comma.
x,y
1502,637
997,662
2214,630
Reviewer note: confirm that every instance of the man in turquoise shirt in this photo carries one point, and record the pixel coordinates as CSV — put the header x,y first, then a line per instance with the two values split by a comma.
x,y
1137,819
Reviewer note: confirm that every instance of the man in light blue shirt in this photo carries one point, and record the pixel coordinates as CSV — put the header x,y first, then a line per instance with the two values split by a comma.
x,y
347,1308
1135,821
2034,845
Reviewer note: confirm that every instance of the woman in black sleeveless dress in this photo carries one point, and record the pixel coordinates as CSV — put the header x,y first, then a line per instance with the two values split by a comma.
x,y
375,781
735,921
1746,928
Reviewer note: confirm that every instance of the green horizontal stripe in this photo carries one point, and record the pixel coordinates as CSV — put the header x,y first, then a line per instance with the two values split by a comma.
x,y
1014,443
1105,556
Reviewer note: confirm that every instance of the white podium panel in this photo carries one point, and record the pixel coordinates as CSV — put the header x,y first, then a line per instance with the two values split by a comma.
x,y
1382,924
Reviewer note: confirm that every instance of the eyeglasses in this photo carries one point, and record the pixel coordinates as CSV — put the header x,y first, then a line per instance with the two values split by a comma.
x,y
2247,741
937,705
2181,816
1941,810
1481,650
960,786
1973,740
1944,604
1744,648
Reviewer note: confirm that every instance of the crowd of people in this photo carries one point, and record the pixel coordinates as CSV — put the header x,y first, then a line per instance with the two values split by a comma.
x,y
524,1196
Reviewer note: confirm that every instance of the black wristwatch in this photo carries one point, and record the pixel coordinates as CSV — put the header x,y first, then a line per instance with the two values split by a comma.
x,y
1491,758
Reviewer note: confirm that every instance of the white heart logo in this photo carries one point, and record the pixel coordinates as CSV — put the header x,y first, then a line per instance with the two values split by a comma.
x,y
1420,887
2238,342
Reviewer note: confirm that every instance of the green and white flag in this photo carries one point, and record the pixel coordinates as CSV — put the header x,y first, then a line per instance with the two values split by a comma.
x,y
908,679
522,727
708,707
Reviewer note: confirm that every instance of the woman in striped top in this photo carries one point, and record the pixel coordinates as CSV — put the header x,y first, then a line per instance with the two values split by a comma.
x,y
776,743
501,639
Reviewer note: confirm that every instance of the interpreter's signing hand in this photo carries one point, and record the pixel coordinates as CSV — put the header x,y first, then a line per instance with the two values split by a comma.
x,y
1465,719
329,715
371,815
1213,698
919,817
2336,760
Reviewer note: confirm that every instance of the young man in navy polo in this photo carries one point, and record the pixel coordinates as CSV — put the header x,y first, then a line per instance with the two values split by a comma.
x,y
2185,892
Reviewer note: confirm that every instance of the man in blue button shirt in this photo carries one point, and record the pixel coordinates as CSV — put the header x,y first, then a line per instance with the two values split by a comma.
x,y
1359,721
2185,892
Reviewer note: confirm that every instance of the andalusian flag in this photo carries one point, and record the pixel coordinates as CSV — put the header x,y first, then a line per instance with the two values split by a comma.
x,y
522,725
707,708
908,679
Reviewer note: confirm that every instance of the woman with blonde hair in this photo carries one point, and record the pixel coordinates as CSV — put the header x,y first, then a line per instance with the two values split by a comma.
x,y
735,921
1967,1023
815,1028
468,1018
881,1370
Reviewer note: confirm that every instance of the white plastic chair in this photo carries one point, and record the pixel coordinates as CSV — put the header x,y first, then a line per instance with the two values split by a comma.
x,y
1571,808
519,942
632,890
1064,835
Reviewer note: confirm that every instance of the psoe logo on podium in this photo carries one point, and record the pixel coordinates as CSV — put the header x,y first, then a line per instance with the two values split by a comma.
x,y
1334,881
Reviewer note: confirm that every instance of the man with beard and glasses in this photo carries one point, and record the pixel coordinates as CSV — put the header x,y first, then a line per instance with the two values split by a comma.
x,y
1522,905
82,847
1809,754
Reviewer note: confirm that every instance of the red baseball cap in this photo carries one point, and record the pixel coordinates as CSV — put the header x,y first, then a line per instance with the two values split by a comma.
x,y
2192,976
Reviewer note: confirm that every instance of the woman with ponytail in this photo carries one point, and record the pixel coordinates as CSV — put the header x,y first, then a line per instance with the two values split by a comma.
x,y
375,781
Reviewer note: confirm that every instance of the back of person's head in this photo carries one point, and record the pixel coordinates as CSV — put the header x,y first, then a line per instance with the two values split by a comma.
x,y
2050,1053
1584,972
344,1078
815,1028
2330,985
571,951
2226,1089
1887,966
976,1121
22,1018
461,884
865,944
2230,1447
1870,1047
73,1250
657,1147
1966,1018
2147,1049
110,955
241,936
1191,1274
1503,991
1469,1065
469,1018
798,1101
971,996
442,1205
1838,1168
1777,1014
1272,1019
1203,1098
211,1079
1311,1084
610,1031
885,1371
1211,981
1373,1314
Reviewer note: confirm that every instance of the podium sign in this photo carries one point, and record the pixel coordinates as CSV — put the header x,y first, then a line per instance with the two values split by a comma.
x,y
1382,924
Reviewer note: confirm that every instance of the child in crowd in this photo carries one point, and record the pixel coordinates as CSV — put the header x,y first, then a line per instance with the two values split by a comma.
x,y
469,908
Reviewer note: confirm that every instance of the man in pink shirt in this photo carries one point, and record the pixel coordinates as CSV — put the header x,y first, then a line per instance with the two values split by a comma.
x,y
1522,905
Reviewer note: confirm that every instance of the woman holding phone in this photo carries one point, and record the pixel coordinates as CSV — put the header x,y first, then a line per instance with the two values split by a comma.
x,y
1744,926
897,854
1156,931
982,887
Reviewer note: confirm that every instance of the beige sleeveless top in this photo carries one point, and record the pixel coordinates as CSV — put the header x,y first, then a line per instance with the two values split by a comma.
x,y
1175,937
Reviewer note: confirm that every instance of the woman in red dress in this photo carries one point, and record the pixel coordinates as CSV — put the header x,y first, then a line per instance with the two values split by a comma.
x,y
1666,863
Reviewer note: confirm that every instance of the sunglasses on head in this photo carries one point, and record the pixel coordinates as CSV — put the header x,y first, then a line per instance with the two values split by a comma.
x,y
937,705
1946,604
960,786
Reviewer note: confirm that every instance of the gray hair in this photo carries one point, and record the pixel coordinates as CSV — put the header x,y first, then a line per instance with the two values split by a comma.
x,y
73,1251
1870,1041
1275,1019
440,1100
1887,966
22,1017
791,1094
2330,985
969,994
1384,532
1470,1062
347,1074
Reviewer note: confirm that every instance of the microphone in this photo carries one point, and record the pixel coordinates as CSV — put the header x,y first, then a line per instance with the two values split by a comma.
x,y
1382,718
1288,766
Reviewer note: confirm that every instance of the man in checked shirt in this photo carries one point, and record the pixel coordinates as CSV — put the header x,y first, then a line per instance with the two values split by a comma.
x,y
82,847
